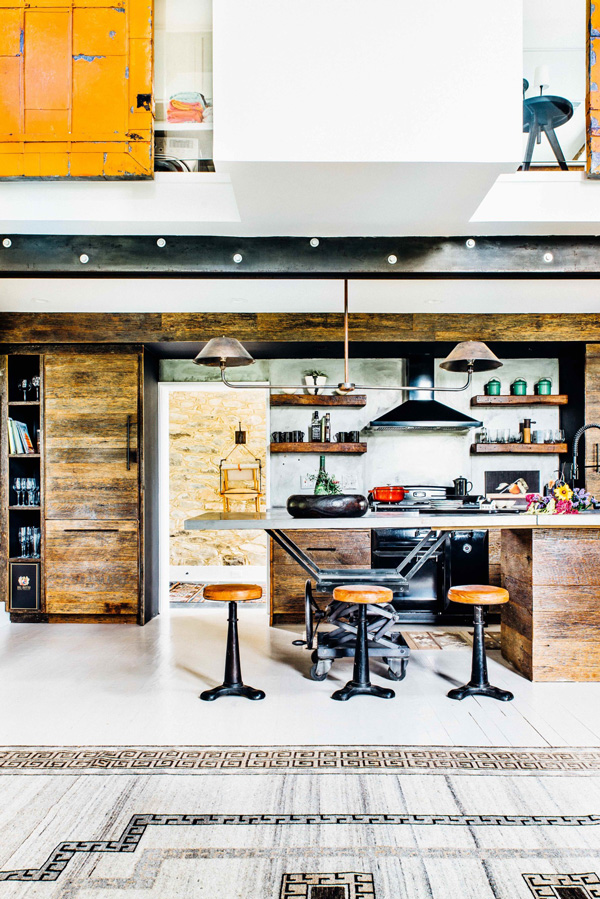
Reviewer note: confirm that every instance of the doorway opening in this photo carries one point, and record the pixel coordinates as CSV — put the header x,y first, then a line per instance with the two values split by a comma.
x,y
197,432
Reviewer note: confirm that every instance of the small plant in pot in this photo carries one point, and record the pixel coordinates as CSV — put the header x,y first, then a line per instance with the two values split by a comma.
x,y
316,379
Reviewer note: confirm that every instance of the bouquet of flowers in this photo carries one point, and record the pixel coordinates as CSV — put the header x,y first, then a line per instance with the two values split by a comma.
x,y
561,500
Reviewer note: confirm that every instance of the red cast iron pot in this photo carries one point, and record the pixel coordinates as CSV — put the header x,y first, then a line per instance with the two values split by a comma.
x,y
388,494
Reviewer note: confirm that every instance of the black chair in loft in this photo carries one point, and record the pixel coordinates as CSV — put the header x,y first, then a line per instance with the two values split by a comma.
x,y
544,114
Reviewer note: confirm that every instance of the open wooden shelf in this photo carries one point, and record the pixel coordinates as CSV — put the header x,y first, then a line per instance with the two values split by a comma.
x,y
24,508
25,559
551,399
23,402
24,456
318,447
307,399
531,448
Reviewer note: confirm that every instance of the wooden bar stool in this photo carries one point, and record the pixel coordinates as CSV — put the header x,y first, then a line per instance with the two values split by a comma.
x,y
362,595
232,684
479,595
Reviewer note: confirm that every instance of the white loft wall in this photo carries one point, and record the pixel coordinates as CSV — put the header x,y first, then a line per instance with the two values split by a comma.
x,y
349,81
93,294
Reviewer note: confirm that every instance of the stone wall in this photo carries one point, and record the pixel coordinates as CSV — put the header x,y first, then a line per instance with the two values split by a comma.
x,y
201,433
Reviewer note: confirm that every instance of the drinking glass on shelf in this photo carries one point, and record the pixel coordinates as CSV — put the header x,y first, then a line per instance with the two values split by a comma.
x,y
516,437
31,488
17,488
559,435
35,542
35,383
23,541
23,385
549,436
502,435
537,436
482,436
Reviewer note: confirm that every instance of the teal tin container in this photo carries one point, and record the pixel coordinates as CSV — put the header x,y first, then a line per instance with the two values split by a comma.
x,y
543,387
492,388
519,387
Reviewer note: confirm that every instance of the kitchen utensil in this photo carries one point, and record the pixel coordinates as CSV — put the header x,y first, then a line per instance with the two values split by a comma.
x,y
493,387
462,486
543,387
482,436
388,494
518,387
350,505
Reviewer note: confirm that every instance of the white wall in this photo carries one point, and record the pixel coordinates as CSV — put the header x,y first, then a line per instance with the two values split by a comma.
x,y
391,80
397,295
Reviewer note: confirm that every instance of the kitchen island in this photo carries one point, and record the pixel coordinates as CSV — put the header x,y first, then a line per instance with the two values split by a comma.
x,y
550,566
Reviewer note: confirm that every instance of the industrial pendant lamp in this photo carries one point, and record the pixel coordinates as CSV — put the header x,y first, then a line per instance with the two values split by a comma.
x,y
469,356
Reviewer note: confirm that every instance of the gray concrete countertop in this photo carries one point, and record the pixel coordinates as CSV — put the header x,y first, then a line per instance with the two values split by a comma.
x,y
279,519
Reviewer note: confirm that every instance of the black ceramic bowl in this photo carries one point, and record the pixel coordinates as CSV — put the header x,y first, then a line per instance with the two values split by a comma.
x,y
349,505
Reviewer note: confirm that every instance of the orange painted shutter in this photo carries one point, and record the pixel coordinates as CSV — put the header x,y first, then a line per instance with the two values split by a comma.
x,y
75,89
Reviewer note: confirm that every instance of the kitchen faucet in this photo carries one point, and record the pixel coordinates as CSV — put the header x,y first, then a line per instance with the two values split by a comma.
x,y
574,466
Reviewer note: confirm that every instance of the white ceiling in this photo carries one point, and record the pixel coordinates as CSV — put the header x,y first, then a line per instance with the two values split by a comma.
x,y
257,295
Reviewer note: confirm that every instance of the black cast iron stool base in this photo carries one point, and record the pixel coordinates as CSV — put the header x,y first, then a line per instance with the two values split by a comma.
x,y
361,685
232,684
479,684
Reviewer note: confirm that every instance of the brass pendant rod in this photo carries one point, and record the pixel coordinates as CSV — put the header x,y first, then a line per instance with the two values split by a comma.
x,y
346,351
397,388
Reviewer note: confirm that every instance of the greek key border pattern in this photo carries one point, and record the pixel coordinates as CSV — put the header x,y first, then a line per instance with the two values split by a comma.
x,y
302,886
543,886
133,832
257,759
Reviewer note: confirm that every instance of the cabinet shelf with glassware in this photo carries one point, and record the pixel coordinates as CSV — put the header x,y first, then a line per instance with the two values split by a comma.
x,y
22,467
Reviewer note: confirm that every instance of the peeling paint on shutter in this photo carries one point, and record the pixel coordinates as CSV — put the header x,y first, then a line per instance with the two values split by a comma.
x,y
71,72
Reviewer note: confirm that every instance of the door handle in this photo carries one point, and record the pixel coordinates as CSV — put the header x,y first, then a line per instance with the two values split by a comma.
x,y
321,549
91,531
128,450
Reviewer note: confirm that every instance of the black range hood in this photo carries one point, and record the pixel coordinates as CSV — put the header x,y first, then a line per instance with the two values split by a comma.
x,y
421,411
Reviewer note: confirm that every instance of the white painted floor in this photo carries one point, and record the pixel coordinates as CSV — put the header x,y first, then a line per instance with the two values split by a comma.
x,y
122,684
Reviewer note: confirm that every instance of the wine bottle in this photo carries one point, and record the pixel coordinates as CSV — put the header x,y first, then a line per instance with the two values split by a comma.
x,y
321,484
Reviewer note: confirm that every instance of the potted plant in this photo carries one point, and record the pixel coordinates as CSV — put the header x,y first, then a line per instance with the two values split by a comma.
x,y
316,378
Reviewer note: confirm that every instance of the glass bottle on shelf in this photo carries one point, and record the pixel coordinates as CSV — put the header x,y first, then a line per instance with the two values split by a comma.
x,y
322,482
315,429
328,428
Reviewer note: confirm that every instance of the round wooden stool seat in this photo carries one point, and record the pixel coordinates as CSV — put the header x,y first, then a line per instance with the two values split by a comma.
x,y
232,592
478,595
363,593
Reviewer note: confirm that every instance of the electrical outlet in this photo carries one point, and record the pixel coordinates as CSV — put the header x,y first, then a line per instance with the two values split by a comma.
x,y
305,484
350,482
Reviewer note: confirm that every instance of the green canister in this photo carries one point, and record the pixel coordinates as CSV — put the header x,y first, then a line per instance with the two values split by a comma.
x,y
492,388
543,387
519,387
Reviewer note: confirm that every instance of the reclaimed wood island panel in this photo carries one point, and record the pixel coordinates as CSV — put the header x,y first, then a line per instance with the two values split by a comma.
x,y
551,626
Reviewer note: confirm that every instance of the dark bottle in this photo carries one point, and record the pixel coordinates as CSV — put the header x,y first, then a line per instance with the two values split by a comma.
x,y
315,429
328,428
321,484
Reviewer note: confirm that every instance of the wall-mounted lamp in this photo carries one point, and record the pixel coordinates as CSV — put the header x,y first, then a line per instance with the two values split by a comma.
x,y
469,356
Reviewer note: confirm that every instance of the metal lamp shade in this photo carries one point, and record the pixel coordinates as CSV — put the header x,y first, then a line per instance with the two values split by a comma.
x,y
471,354
224,350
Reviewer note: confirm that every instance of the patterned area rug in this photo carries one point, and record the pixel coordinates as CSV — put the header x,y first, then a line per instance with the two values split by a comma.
x,y
319,823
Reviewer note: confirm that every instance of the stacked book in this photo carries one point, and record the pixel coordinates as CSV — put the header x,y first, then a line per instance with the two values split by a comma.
x,y
18,438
